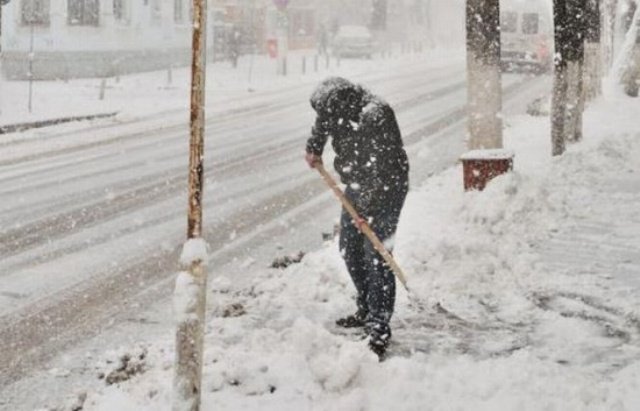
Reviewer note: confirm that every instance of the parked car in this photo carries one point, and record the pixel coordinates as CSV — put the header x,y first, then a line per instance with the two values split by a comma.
x,y
353,41
526,37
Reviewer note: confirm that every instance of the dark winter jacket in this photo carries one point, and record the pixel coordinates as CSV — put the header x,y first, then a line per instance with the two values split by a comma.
x,y
370,157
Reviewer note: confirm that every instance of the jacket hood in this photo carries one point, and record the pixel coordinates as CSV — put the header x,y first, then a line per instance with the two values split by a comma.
x,y
338,96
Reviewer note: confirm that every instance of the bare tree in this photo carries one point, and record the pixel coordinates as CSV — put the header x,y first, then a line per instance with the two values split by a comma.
x,y
483,74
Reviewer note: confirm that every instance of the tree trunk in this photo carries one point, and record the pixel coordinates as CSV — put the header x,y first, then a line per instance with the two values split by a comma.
x,y
593,51
577,133
626,69
483,74
572,100
569,28
190,293
576,10
608,9
560,85
558,109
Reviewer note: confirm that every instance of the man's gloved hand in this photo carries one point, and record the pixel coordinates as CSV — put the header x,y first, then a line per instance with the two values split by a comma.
x,y
313,160
359,222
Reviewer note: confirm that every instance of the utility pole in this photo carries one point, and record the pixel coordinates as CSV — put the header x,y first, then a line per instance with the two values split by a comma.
x,y
190,293
483,74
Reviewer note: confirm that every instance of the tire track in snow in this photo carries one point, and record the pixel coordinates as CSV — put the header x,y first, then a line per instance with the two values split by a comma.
x,y
167,185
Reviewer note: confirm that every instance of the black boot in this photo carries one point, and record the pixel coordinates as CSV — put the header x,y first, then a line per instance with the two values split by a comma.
x,y
379,337
352,321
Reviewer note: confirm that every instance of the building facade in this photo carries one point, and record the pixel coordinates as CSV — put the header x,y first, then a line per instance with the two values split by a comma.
x,y
59,39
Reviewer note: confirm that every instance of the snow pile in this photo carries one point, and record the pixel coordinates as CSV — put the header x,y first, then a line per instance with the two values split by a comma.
x,y
185,295
519,331
195,249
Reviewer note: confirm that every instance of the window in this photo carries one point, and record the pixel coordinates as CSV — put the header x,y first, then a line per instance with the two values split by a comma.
x,y
121,11
509,22
83,12
35,12
178,11
530,23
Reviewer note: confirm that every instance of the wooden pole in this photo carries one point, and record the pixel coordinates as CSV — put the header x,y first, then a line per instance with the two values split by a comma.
x,y
190,329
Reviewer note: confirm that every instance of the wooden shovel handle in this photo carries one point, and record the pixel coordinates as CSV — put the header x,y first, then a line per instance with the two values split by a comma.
x,y
366,230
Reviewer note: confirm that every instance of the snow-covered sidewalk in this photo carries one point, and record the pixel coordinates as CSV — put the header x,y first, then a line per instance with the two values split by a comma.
x,y
542,269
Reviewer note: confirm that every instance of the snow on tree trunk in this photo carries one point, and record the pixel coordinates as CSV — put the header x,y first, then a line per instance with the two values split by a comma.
x,y
190,291
483,74
189,302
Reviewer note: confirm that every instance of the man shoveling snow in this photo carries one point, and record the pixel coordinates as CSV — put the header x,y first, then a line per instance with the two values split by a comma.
x,y
372,163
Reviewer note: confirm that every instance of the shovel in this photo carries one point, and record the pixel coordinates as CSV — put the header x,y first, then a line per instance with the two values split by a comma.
x,y
380,248
364,227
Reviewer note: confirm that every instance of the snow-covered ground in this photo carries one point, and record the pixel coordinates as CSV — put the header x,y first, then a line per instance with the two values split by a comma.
x,y
541,270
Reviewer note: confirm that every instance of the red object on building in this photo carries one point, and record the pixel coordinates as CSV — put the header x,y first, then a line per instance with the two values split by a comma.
x,y
272,48
480,166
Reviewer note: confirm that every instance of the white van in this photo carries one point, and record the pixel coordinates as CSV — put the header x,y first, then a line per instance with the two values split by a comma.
x,y
526,30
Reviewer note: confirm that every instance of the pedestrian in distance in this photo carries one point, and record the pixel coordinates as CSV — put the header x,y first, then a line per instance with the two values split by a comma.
x,y
234,46
372,163
323,41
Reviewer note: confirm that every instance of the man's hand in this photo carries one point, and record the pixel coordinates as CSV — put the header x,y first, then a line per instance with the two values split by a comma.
x,y
359,222
313,160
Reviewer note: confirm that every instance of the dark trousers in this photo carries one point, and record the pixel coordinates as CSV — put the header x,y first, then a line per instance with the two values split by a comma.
x,y
374,280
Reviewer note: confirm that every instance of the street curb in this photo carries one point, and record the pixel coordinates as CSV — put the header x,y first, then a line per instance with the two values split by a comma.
x,y
18,127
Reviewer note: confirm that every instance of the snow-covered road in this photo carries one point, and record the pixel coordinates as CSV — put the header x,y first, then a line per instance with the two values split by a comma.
x,y
92,218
